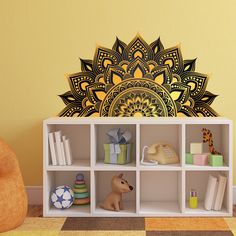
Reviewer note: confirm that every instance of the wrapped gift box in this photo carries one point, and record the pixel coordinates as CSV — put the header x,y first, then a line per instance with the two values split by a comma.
x,y
188,158
117,153
200,159
196,148
216,160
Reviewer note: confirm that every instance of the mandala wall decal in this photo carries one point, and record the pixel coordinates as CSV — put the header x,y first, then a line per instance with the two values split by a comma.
x,y
138,79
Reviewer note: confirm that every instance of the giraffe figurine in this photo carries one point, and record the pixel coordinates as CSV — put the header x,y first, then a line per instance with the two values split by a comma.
x,y
207,137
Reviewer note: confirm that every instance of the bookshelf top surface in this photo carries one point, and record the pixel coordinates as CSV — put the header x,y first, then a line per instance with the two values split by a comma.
x,y
139,120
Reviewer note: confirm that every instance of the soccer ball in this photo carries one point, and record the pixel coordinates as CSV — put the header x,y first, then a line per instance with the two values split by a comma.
x,y
62,197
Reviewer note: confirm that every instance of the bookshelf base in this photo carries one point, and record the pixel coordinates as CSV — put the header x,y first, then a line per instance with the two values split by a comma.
x,y
159,208
73,211
129,210
201,211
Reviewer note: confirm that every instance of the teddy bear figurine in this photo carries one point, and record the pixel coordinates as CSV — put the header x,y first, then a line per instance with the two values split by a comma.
x,y
113,201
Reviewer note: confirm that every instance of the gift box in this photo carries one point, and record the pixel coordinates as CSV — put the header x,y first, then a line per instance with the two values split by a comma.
x,y
216,160
200,159
117,153
196,148
188,158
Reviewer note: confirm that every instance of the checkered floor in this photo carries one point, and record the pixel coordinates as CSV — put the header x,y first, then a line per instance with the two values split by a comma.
x,y
34,226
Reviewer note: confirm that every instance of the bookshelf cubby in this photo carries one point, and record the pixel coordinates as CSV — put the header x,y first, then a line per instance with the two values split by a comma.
x,y
58,178
198,180
101,138
166,202
160,190
103,186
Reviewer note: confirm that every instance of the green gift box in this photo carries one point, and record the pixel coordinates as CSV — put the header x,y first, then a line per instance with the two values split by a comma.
x,y
188,158
117,153
216,160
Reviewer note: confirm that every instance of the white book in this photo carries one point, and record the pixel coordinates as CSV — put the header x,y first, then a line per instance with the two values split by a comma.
x,y
215,193
58,147
52,148
67,151
63,139
220,193
210,192
224,183
63,153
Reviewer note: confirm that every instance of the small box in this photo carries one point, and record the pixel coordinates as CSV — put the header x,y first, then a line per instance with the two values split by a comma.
x,y
117,153
188,158
195,148
216,160
200,159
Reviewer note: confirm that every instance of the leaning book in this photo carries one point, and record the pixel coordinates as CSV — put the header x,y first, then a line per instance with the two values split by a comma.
x,y
52,148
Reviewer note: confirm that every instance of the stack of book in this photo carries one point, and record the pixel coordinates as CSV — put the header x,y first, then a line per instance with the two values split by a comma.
x,y
215,192
59,149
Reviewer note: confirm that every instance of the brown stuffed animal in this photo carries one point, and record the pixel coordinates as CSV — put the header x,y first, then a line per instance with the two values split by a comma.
x,y
13,198
113,201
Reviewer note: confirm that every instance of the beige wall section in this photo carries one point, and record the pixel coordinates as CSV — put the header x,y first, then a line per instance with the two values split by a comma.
x,y
42,40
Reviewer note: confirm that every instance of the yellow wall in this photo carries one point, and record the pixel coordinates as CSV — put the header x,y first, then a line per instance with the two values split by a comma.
x,y
42,40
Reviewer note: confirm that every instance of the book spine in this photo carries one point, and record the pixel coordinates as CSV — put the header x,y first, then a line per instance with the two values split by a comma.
x,y
223,193
52,148
220,194
63,153
58,147
210,192
67,151
215,194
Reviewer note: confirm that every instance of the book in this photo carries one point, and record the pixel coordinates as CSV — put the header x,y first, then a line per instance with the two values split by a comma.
x,y
67,149
63,153
220,193
210,191
58,147
215,193
52,148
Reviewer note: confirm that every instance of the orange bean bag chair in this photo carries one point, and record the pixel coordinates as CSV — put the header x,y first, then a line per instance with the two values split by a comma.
x,y
13,198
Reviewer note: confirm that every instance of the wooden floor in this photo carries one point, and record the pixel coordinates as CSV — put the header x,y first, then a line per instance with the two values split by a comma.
x,y
37,211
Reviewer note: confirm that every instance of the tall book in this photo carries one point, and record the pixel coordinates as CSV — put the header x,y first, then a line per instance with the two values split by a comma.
x,y
58,148
210,192
52,148
63,153
67,150
220,193
215,193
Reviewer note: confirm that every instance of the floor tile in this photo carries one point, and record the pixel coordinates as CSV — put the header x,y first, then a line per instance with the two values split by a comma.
x,y
104,223
103,233
41,224
189,233
231,223
31,233
169,224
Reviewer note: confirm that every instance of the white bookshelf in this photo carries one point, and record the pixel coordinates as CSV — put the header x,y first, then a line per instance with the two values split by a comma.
x,y
160,190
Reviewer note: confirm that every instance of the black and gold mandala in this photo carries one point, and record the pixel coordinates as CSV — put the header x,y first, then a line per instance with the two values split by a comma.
x,y
138,79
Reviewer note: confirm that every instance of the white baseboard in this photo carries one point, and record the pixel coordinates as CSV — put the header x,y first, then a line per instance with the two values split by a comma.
x,y
35,195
